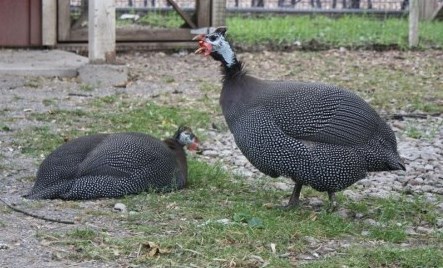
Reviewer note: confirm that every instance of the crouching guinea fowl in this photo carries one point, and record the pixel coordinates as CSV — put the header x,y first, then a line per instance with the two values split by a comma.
x,y
316,134
114,165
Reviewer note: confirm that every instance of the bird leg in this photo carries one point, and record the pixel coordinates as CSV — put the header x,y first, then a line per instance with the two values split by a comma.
x,y
295,196
332,201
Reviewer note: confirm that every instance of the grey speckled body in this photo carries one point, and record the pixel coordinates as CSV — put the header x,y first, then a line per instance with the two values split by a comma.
x,y
316,134
111,165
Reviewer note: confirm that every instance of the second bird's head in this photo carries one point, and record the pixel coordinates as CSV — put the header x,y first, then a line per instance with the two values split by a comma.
x,y
185,137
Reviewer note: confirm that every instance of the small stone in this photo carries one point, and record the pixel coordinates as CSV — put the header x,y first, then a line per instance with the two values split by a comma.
x,y
429,197
399,124
419,180
223,221
365,233
311,240
428,153
343,213
370,222
359,215
429,167
410,154
428,189
282,186
225,153
243,172
424,230
119,207
210,153
354,196
410,231
315,202
380,193
240,162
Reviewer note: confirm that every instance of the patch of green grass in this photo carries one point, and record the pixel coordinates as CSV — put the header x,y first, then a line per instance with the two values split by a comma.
x,y
49,102
219,219
34,82
86,87
113,115
384,256
161,121
4,127
38,140
168,79
87,234
161,20
346,31
414,130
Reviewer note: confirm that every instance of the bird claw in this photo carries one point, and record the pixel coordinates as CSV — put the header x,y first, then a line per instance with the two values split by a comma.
x,y
332,202
333,206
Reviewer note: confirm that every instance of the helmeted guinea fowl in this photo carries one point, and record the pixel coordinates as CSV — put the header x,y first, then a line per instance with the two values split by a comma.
x,y
114,165
316,134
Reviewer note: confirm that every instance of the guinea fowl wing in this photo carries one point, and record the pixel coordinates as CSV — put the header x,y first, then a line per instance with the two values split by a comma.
x,y
321,113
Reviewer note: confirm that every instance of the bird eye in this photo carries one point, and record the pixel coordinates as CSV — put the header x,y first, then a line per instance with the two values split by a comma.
x,y
212,38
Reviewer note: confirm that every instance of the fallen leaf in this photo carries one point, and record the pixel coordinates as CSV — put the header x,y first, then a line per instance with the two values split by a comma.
x,y
151,249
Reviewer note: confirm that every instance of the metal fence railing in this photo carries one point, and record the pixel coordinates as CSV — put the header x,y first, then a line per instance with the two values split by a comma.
x,y
381,5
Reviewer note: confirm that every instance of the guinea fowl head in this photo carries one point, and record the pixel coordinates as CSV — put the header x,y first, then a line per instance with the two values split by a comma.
x,y
216,45
185,137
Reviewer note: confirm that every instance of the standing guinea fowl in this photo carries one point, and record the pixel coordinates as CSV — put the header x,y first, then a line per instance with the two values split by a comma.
x,y
316,134
114,165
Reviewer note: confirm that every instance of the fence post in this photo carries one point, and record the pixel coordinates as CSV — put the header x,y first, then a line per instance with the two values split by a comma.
x,y
101,27
218,13
49,22
414,14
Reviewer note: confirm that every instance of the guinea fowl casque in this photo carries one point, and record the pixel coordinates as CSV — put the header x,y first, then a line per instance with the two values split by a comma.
x,y
316,134
114,165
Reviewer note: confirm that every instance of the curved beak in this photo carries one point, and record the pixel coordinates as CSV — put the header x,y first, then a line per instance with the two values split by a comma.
x,y
199,37
195,145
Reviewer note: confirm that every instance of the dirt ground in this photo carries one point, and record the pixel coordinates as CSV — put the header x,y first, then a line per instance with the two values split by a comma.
x,y
152,74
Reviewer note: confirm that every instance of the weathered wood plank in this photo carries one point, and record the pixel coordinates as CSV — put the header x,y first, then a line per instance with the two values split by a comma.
x,y
130,46
438,14
427,8
101,29
203,12
147,35
64,20
49,22
414,16
182,14
218,17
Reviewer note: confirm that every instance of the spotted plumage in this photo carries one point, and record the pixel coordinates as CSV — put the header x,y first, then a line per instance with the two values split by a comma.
x,y
113,165
317,134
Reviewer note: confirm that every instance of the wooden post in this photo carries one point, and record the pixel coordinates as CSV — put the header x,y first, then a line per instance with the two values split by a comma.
x,y
203,12
101,27
49,22
414,14
218,14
